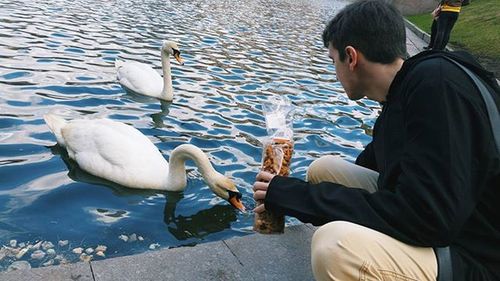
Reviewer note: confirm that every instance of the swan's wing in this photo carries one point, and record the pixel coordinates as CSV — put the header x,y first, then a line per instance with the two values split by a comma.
x,y
139,78
116,152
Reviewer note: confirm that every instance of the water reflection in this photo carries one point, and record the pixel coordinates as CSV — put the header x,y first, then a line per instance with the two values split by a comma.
x,y
182,227
58,56
158,117
25,194
198,225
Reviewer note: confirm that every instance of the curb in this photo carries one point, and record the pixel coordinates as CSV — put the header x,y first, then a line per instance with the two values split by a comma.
x,y
419,32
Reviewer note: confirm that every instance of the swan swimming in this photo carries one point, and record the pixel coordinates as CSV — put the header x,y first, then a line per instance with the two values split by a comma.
x,y
120,153
142,79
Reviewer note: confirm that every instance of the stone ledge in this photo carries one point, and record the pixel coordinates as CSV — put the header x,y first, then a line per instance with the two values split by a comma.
x,y
248,258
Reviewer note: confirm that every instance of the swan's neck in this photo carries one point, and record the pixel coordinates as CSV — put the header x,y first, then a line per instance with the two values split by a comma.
x,y
177,169
167,92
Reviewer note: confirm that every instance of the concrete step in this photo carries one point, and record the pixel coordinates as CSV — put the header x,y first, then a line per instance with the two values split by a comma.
x,y
251,257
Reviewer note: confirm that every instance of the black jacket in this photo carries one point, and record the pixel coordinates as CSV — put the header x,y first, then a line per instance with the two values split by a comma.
x,y
439,182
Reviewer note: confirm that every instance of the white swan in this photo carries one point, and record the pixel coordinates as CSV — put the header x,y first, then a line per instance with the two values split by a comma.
x,y
140,78
121,154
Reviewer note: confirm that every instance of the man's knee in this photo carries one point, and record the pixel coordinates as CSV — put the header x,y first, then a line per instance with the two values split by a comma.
x,y
325,245
337,250
331,239
346,251
337,170
322,168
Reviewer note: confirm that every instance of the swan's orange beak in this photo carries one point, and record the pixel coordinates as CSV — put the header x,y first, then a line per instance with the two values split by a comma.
x,y
235,200
177,56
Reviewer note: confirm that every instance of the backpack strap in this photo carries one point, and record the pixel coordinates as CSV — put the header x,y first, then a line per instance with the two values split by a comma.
x,y
493,114
443,256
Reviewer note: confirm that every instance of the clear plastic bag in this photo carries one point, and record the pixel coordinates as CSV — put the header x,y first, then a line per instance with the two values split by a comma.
x,y
276,156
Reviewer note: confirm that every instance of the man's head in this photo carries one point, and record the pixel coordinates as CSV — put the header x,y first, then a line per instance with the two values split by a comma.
x,y
366,40
373,27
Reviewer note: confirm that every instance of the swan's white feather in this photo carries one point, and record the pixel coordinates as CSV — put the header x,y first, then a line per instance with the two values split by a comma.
x,y
116,152
55,124
121,154
139,78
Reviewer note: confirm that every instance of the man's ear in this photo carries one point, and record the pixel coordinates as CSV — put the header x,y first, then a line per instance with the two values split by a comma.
x,y
351,57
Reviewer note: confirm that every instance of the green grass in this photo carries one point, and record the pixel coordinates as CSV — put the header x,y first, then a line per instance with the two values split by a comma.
x,y
476,30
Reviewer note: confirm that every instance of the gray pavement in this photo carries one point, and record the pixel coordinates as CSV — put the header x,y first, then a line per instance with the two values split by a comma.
x,y
252,257
416,39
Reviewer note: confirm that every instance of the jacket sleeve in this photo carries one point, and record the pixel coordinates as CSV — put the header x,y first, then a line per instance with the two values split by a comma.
x,y
433,196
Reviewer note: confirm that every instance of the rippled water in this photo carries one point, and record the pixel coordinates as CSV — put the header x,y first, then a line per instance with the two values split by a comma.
x,y
59,56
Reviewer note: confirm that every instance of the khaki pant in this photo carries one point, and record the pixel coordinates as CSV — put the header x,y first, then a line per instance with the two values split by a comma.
x,y
346,251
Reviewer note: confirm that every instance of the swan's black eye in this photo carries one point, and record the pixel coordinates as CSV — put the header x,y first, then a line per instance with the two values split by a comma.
x,y
234,194
176,52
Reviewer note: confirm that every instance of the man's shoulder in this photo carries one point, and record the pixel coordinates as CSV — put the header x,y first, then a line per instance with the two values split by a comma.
x,y
430,60
429,66
425,70
433,66
430,63
444,65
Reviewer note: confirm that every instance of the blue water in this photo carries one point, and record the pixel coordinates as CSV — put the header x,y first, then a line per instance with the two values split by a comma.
x,y
58,56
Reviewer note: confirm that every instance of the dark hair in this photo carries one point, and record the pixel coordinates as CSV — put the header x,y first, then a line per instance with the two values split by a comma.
x,y
373,27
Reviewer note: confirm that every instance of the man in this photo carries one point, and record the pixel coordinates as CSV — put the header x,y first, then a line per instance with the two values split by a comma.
x,y
426,186
443,20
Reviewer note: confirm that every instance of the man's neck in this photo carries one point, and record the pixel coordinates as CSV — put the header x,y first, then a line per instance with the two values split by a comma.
x,y
378,79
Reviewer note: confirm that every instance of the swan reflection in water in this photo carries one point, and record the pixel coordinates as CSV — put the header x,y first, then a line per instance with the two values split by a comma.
x,y
207,221
158,117
214,219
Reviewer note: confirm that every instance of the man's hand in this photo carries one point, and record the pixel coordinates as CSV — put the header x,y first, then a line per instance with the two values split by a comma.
x,y
260,189
435,13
